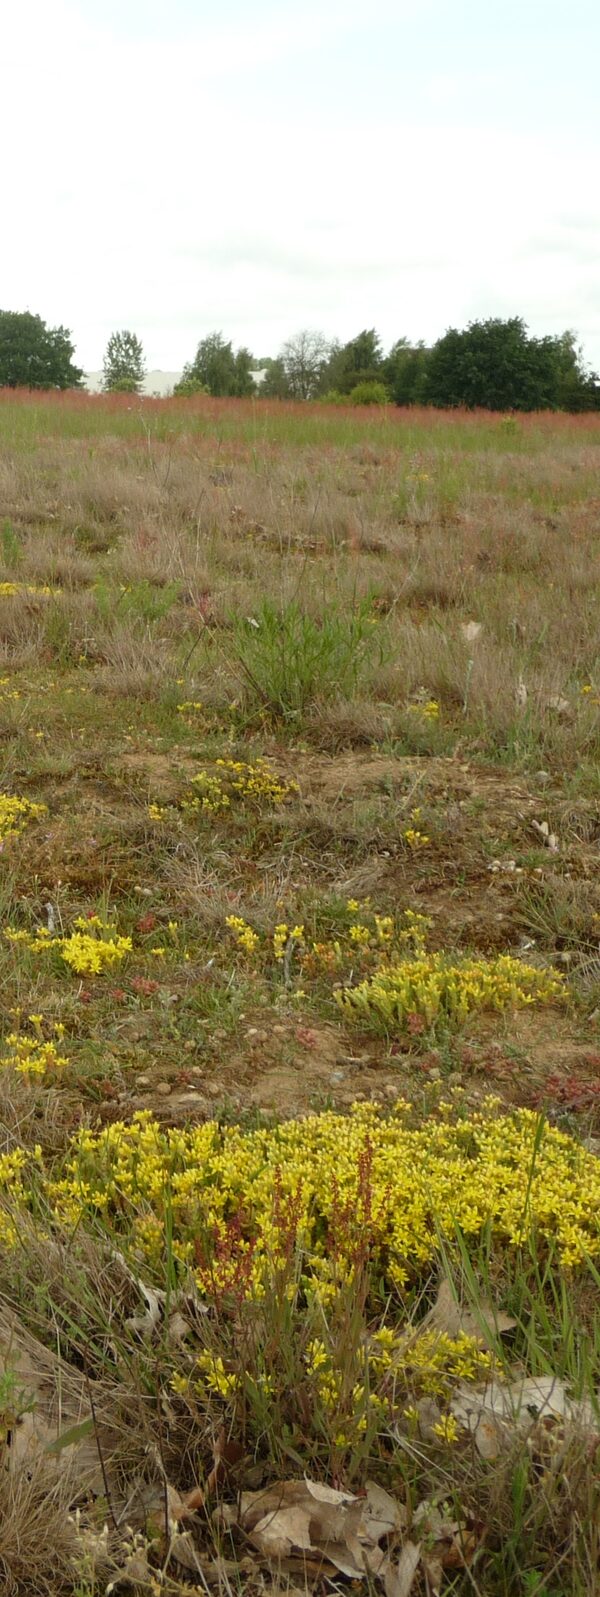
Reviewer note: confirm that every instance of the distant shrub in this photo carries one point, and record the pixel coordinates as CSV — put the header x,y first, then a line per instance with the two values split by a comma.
x,y
187,386
124,385
333,397
369,393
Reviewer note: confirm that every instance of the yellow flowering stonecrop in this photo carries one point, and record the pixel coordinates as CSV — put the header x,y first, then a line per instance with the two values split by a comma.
x,y
31,1053
244,936
8,590
382,976
248,784
434,987
318,1214
15,815
330,1190
93,947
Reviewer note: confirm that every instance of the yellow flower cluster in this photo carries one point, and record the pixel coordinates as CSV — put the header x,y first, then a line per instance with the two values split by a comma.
x,y
283,935
12,1167
430,710
323,1190
233,782
371,939
433,987
158,812
245,938
405,1366
93,947
15,813
7,693
413,836
213,1376
30,1053
9,589
415,839
89,955
238,781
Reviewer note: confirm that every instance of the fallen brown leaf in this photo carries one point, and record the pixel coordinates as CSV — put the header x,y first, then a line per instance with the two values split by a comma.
x,y
454,1318
399,1578
334,1527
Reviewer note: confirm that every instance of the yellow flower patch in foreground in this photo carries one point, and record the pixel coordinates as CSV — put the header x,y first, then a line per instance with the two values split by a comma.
x,y
318,1197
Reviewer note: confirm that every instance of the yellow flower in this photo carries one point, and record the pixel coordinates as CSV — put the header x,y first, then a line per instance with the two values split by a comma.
x,y
446,1428
15,813
245,937
280,940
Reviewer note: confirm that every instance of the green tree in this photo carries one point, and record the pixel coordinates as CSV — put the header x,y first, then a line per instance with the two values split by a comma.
x,y
124,364
405,372
218,369
304,359
359,361
577,386
496,365
33,355
275,383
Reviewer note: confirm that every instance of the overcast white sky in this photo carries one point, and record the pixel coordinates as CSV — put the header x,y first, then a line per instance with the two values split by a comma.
x,y
175,166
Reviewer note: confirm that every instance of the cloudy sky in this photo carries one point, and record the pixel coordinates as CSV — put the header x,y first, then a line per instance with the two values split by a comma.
x,y
175,166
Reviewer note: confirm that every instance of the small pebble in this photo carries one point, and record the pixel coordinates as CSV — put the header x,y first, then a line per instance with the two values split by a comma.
x,y
163,1089
142,1081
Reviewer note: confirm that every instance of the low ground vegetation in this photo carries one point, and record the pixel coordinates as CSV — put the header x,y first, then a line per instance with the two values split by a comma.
x,y
300,956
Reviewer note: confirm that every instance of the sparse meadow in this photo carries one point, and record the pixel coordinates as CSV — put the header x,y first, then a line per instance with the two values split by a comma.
x,y
300,962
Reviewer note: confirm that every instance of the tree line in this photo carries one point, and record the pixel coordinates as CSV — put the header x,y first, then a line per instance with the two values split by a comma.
x,y
493,364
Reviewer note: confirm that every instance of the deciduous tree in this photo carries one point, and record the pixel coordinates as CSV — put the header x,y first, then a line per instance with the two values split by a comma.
x,y
124,364
33,355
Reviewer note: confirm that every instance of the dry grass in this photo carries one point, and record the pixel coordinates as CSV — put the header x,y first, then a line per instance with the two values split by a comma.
x,y
170,535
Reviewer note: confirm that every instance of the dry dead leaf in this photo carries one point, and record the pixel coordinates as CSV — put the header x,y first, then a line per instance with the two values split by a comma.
x,y
494,1412
225,1451
333,1527
193,1501
281,1531
381,1514
148,1321
453,1317
328,1494
399,1578
60,1421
